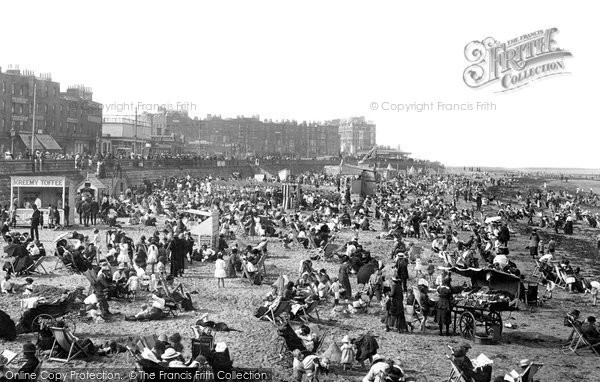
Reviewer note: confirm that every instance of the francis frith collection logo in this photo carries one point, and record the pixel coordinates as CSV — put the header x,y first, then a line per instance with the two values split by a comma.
x,y
515,63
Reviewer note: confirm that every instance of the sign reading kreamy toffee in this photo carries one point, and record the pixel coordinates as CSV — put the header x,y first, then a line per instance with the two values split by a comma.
x,y
40,181
515,63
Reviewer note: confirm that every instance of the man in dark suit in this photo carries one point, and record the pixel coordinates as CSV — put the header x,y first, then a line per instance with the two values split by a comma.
x,y
86,209
590,332
36,221
95,208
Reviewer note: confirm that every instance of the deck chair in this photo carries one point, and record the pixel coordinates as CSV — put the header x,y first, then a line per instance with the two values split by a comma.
x,y
528,374
561,280
65,340
273,313
578,342
202,345
455,374
531,295
37,266
311,243
537,273
149,341
260,265
305,312
421,318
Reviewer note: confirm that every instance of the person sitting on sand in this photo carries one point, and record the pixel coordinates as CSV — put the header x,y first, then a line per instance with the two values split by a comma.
x,y
308,339
149,312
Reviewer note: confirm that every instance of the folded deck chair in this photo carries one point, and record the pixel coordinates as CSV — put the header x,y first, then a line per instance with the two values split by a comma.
x,y
274,313
578,341
37,266
421,318
64,339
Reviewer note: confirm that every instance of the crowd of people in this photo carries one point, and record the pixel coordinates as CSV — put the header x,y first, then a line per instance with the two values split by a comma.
x,y
431,221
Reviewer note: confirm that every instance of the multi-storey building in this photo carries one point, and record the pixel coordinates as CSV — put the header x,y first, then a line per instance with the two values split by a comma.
x,y
124,135
64,122
242,136
356,134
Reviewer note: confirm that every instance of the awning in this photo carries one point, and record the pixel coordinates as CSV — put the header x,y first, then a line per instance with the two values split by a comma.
x,y
27,141
49,143
42,142
492,278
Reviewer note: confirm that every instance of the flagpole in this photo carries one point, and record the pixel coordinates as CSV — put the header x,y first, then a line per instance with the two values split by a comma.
x,y
33,122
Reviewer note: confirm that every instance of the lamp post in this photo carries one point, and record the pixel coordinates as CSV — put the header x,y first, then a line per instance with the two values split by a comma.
x,y
13,133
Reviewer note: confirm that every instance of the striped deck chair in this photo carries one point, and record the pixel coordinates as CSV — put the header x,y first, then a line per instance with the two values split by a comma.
x,y
65,340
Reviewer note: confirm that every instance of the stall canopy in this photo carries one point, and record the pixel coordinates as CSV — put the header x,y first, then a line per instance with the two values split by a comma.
x,y
491,278
41,142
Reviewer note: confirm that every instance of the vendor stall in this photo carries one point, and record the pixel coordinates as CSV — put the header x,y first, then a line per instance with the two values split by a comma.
x,y
92,187
491,293
50,190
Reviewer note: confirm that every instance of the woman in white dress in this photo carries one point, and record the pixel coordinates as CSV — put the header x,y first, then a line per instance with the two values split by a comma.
x,y
220,270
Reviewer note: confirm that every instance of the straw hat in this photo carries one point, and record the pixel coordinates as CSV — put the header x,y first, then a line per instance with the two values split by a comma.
x,y
163,338
524,362
346,339
377,357
170,353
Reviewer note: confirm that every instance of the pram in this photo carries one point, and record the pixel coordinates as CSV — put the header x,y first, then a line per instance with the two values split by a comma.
x,y
32,319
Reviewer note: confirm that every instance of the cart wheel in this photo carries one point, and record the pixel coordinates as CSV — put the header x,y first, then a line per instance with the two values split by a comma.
x,y
494,319
466,325
42,320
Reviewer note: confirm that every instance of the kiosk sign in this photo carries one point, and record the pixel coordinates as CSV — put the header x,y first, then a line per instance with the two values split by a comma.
x,y
27,181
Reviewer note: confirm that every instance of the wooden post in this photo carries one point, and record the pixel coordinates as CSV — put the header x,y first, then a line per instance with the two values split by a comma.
x,y
12,194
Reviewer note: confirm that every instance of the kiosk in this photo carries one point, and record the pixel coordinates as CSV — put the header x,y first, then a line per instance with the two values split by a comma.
x,y
55,190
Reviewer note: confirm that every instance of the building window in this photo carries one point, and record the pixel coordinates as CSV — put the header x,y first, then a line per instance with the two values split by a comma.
x,y
13,89
45,109
21,109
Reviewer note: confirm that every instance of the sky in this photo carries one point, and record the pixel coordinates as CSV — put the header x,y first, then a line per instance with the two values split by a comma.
x,y
320,60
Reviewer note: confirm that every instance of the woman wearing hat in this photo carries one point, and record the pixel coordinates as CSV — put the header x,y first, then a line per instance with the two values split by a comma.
x,y
395,308
172,358
344,279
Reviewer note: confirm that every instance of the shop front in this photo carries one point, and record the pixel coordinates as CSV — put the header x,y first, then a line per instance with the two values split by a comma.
x,y
50,190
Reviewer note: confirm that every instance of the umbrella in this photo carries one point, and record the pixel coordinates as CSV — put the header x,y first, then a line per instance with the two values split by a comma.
x,y
492,219
10,249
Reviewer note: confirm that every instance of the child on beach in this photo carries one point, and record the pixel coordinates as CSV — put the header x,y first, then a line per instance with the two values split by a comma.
x,y
430,269
348,353
335,288
419,268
